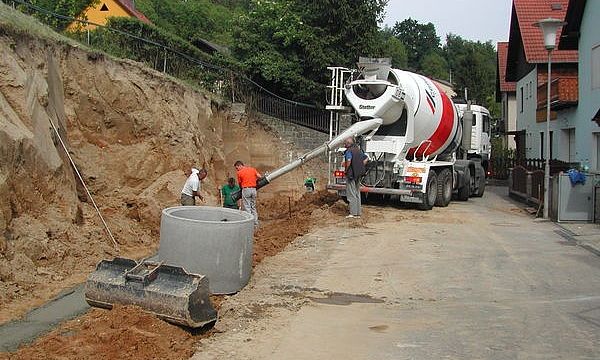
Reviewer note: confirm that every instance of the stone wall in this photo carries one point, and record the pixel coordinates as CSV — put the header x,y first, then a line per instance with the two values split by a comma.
x,y
298,136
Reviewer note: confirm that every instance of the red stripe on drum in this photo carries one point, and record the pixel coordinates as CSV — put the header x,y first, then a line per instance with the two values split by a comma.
x,y
444,129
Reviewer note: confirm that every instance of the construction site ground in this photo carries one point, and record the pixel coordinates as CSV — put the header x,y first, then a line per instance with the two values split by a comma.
x,y
479,279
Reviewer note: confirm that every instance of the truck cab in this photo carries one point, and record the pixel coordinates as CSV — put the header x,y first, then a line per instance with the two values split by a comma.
x,y
480,135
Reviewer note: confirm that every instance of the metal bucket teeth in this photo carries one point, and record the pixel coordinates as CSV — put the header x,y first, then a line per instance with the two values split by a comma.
x,y
167,291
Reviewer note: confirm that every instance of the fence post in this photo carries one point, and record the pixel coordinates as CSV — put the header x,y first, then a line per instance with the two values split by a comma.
x,y
232,89
88,33
165,61
529,186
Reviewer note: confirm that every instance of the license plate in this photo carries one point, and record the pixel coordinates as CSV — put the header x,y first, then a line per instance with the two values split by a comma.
x,y
410,199
413,186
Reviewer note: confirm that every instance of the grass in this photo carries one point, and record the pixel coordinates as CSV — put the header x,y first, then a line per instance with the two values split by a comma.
x,y
15,21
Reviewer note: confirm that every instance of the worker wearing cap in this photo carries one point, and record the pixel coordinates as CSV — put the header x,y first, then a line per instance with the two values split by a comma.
x,y
247,178
191,189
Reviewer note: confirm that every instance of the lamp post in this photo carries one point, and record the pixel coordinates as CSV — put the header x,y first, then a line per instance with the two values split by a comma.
x,y
549,27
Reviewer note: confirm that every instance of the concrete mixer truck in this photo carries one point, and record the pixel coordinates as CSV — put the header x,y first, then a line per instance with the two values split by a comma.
x,y
421,152
411,131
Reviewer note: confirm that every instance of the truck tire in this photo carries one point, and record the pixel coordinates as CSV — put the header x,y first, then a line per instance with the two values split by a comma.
x,y
431,192
480,187
465,191
444,188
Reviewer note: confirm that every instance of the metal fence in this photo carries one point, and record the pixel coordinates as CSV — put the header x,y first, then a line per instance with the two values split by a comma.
x,y
502,164
185,64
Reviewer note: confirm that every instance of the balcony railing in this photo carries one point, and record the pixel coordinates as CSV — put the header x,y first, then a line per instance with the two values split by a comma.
x,y
564,93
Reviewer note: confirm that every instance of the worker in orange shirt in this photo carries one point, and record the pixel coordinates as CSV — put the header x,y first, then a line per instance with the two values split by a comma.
x,y
247,177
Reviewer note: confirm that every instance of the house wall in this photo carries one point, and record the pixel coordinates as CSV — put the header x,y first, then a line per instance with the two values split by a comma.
x,y
563,146
589,94
509,115
94,14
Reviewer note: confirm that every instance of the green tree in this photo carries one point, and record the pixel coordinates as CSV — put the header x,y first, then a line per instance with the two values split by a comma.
x,y
288,44
473,66
71,8
419,39
393,48
190,20
434,66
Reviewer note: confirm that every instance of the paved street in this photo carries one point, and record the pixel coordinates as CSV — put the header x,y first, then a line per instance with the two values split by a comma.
x,y
477,280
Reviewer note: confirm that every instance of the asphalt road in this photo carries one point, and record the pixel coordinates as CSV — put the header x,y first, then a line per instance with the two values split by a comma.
x,y
476,280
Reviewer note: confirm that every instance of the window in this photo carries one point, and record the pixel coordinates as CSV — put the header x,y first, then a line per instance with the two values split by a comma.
x,y
551,145
104,7
572,152
521,100
543,146
531,89
486,124
597,136
596,67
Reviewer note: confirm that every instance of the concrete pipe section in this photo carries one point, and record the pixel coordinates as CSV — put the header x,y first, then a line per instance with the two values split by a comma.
x,y
211,241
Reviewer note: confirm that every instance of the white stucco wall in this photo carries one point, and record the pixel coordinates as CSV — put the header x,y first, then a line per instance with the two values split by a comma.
x,y
560,127
588,132
509,114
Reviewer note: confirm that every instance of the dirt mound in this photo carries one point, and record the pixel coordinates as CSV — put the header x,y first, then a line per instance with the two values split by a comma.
x,y
126,332
132,132
282,220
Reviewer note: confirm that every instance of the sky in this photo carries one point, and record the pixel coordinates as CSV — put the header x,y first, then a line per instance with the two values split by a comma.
x,y
481,20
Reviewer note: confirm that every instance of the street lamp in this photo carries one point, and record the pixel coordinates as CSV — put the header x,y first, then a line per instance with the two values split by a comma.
x,y
549,27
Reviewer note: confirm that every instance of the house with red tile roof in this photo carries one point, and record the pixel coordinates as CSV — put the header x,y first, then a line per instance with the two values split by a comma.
x,y
100,11
582,33
506,95
526,65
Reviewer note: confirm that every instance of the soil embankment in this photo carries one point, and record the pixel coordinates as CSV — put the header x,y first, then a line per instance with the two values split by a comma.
x,y
130,333
131,131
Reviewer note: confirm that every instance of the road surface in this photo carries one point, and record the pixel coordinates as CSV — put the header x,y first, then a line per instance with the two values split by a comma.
x,y
476,280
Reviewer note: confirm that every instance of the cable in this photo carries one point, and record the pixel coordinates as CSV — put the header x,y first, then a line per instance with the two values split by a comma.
x,y
112,238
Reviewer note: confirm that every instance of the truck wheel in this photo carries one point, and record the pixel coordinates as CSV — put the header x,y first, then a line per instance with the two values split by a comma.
x,y
480,187
431,192
465,191
444,188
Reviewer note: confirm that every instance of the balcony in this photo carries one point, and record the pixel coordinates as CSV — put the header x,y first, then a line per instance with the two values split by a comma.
x,y
564,93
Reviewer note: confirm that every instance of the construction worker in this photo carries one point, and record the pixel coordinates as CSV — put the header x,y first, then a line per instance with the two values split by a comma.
x,y
226,191
247,177
192,186
355,162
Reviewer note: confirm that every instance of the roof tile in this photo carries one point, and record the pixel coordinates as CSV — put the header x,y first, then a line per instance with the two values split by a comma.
x,y
129,6
505,86
532,11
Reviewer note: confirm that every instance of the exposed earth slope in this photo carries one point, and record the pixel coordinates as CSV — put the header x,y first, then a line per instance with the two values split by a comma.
x,y
132,132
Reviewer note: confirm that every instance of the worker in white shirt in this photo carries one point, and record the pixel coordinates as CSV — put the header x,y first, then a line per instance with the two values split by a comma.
x,y
192,187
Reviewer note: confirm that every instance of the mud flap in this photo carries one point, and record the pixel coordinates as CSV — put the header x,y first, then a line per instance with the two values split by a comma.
x,y
167,291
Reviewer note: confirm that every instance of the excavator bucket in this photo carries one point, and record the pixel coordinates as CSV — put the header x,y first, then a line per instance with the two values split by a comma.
x,y
164,290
